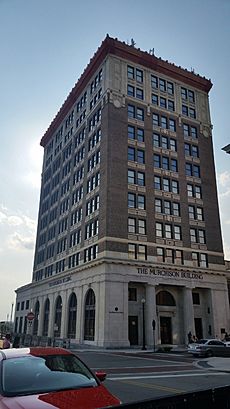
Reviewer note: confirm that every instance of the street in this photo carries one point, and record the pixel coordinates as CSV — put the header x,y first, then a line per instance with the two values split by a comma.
x,y
139,376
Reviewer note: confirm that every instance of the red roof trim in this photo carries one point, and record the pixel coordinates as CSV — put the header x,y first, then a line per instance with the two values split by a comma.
x,y
122,50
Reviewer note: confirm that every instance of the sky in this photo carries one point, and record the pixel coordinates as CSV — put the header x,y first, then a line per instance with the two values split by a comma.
x,y
44,47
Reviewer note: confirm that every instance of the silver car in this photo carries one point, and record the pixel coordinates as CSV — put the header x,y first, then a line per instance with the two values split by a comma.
x,y
208,348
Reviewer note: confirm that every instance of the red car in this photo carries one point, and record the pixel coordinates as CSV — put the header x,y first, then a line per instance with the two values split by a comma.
x,y
48,378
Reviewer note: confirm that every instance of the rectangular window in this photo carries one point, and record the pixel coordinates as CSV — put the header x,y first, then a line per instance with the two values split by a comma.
x,y
131,176
168,231
132,294
169,256
141,202
140,114
194,151
154,81
157,182
131,225
175,186
174,165
130,91
156,161
177,232
170,88
184,110
140,178
195,259
140,156
176,209
171,105
190,190
184,94
178,257
130,72
191,96
141,226
162,85
188,169
142,252
131,111
140,135
131,200
163,103
164,142
156,140
154,99
201,236
172,125
191,212
158,206
156,120
166,185
167,207
197,192
186,129
164,122
196,298
199,213
187,149
196,171
203,260
131,132
131,153
160,254
159,230
193,132
193,236
131,251
192,113
139,93
165,163
139,75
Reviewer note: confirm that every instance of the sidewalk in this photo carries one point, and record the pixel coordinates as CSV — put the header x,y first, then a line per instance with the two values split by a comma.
x,y
217,364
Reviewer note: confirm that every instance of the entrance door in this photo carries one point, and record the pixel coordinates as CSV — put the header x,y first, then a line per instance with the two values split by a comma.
x,y
133,330
198,328
166,330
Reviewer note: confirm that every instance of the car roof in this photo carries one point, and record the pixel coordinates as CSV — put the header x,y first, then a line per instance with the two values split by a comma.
x,y
35,351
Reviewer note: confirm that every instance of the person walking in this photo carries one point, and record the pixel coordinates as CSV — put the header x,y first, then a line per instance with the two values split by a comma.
x,y
6,342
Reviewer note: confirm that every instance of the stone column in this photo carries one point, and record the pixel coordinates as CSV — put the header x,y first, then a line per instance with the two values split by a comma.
x,y
64,315
150,312
51,317
41,315
189,324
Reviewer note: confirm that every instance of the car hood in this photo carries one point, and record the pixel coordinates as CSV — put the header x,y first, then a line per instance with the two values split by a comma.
x,y
87,398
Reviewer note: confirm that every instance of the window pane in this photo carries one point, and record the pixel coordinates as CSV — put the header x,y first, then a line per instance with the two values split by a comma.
x,y
131,132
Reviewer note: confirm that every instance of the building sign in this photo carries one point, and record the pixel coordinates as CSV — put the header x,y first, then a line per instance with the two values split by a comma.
x,y
169,274
60,281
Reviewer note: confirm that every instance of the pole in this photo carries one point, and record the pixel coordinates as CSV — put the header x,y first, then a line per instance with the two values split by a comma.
x,y
143,314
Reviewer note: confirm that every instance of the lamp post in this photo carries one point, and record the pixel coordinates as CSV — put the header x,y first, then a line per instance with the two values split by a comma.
x,y
143,324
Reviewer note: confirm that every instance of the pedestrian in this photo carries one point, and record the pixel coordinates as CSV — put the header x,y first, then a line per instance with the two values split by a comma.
x,y
190,337
6,342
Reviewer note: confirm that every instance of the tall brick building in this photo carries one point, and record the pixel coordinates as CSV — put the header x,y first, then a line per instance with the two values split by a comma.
x,y
128,223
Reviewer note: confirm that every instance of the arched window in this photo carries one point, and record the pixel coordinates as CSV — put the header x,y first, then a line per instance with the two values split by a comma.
x,y
165,298
89,330
72,316
57,318
36,318
46,318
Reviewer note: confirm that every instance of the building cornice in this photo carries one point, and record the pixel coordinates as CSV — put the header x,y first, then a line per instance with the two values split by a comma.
x,y
135,55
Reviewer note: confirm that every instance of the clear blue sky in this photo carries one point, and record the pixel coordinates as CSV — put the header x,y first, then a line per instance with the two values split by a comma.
x,y
44,47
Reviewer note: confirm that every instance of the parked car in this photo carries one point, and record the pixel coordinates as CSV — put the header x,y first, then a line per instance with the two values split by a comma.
x,y
50,377
208,348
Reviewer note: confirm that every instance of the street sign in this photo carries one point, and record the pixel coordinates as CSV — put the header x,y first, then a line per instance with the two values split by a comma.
x,y
30,316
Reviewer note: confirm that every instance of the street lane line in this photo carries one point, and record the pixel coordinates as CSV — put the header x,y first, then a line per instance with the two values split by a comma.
x,y
153,386
120,378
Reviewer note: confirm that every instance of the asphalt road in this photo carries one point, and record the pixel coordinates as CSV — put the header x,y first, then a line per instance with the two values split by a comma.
x,y
133,377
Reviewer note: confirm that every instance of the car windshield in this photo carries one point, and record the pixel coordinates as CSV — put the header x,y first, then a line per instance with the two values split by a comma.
x,y
36,374
201,341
